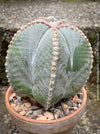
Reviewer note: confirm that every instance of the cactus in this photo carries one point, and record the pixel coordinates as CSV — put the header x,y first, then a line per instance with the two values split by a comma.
x,y
49,60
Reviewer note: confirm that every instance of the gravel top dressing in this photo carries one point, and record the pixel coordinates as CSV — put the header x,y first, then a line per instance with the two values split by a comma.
x,y
31,109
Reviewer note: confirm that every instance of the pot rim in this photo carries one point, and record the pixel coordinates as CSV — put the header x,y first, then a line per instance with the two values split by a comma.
x,y
8,92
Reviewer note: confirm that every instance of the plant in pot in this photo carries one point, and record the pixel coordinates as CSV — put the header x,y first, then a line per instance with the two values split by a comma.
x,y
48,61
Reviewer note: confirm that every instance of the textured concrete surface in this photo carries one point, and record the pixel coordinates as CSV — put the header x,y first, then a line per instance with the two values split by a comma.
x,y
15,14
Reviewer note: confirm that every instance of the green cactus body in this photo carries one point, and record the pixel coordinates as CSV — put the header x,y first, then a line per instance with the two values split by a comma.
x,y
49,60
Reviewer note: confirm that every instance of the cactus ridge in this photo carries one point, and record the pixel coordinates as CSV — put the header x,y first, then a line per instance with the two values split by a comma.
x,y
23,28
49,67
53,65
82,34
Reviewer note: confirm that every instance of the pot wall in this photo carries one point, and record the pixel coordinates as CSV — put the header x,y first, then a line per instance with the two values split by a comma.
x,y
59,126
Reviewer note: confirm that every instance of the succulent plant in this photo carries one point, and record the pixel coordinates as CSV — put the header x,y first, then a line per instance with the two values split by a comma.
x,y
49,60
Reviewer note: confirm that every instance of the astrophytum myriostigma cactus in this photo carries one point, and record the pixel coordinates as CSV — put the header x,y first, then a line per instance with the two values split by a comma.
x,y
48,59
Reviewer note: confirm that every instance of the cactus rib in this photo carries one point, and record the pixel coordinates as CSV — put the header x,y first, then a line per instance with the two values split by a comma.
x,y
23,28
83,35
53,65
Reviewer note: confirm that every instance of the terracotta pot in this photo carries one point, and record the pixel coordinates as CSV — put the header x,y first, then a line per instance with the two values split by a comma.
x,y
63,125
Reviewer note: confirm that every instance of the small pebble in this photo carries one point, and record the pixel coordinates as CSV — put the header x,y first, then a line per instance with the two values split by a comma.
x,y
15,101
58,113
27,104
79,101
74,105
22,105
70,103
13,95
30,112
61,115
65,106
31,116
49,115
67,111
75,108
41,117
18,99
38,112
75,98
79,105
56,116
71,111
80,95
22,113
18,109
34,107
11,99
13,105
51,109
24,108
